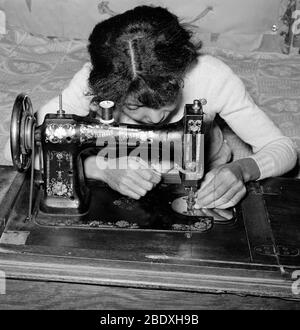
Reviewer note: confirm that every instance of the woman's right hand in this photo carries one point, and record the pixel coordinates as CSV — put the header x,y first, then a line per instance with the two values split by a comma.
x,y
132,177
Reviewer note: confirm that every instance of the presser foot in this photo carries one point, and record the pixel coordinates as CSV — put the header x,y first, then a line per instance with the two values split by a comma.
x,y
185,205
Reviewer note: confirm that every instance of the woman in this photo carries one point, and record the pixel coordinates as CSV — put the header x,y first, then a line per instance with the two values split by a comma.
x,y
145,62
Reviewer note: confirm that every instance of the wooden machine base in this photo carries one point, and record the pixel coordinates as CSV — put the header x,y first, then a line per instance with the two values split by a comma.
x,y
258,253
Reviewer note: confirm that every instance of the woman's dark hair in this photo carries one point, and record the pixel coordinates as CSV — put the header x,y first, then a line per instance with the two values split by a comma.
x,y
141,54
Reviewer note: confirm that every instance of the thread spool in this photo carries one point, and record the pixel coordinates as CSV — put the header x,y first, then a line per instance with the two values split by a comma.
x,y
106,112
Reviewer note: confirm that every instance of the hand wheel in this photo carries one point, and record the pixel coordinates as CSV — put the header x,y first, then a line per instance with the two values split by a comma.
x,y
22,132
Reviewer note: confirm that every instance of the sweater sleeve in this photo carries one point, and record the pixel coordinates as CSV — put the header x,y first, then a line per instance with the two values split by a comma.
x,y
74,96
274,153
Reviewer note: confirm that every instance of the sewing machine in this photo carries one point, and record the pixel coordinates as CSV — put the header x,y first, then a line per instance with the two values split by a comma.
x,y
63,138
55,224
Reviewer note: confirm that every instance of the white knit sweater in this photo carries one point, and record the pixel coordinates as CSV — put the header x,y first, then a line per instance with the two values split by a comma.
x,y
226,95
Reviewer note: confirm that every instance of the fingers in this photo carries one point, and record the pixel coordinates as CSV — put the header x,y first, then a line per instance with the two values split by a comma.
x,y
137,179
131,176
207,179
144,171
211,189
225,202
134,178
226,214
223,194
150,175
129,187
208,185
223,190
217,214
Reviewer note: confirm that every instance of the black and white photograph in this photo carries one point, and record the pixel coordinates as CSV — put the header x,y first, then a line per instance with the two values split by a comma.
x,y
149,158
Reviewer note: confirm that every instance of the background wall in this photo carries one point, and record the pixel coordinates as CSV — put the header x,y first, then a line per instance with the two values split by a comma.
x,y
232,23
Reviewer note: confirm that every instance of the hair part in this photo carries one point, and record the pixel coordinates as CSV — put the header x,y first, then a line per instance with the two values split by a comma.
x,y
142,54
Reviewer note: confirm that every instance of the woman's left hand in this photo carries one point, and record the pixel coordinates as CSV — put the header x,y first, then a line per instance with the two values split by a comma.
x,y
222,187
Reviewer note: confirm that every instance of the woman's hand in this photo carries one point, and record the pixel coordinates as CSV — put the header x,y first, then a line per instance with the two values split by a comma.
x,y
224,186
132,177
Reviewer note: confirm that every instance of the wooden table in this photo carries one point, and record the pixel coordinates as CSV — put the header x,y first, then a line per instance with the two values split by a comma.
x,y
73,268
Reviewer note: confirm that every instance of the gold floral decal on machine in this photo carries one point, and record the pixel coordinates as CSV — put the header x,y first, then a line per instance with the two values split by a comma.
x,y
60,133
60,184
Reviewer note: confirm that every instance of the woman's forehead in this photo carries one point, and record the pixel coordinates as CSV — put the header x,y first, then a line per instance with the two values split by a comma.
x,y
136,106
133,104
